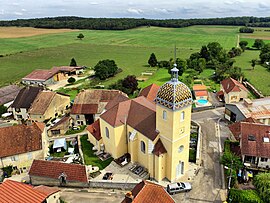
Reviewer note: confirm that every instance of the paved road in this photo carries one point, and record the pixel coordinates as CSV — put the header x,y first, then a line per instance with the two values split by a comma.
x,y
208,185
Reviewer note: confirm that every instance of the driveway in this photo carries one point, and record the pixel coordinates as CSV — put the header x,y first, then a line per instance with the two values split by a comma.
x,y
208,186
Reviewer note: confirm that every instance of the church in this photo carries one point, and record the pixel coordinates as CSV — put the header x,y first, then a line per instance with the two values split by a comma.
x,y
155,133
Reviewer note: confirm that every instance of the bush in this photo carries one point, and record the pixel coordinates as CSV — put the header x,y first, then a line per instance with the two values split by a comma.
x,y
244,196
7,171
71,80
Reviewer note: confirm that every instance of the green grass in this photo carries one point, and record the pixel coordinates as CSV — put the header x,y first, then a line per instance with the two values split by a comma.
x,y
259,77
192,155
89,157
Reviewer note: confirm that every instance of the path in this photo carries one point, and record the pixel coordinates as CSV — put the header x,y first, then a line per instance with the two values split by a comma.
x,y
238,40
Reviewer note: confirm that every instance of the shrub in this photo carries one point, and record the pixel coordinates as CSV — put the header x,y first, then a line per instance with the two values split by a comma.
x,y
71,80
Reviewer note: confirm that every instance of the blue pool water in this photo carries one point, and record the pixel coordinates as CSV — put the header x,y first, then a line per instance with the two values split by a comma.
x,y
202,101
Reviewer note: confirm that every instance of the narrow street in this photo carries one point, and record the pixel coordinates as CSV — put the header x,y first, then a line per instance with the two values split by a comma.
x,y
208,185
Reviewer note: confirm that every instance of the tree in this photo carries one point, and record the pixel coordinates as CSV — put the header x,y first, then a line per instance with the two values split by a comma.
x,y
205,53
243,45
130,83
3,109
214,49
71,80
253,63
152,60
105,68
262,184
73,62
80,36
258,43
246,30
265,53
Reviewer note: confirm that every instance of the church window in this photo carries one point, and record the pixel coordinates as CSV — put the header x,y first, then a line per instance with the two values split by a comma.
x,y
182,116
143,147
181,148
164,115
107,132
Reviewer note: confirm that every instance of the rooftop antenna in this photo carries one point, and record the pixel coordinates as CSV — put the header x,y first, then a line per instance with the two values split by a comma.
x,y
174,53
174,71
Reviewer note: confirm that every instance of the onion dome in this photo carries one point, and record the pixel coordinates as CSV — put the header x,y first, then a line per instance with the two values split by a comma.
x,y
174,94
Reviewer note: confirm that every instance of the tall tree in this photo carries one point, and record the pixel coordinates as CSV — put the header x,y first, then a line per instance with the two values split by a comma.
x,y
243,45
205,53
152,60
73,62
80,36
253,63
130,83
258,43
105,68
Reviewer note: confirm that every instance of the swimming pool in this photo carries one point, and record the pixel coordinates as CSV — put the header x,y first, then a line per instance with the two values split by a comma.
x,y
202,101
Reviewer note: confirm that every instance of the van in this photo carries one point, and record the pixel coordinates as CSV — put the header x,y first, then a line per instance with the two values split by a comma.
x,y
178,187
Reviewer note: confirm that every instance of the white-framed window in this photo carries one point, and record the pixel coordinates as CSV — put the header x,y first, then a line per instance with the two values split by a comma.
x,y
14,158
181,148
264,159
77,116
107,132
182,116
164,115
143,147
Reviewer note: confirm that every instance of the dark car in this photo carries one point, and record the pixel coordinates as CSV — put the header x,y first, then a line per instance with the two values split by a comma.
x,y
107,176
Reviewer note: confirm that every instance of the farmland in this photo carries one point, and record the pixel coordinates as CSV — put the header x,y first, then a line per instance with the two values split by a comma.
x,y
129,48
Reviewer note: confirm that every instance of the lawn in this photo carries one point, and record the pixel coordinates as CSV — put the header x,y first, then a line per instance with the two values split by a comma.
x,y
89,157
129,48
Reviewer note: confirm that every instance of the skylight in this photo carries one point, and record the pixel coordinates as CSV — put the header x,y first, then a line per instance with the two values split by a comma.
x,y
266,139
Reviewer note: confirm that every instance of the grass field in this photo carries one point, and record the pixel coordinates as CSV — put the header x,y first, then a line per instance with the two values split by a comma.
x,y
129,48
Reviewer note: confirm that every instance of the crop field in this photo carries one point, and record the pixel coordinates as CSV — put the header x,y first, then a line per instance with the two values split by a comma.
x,y
129,48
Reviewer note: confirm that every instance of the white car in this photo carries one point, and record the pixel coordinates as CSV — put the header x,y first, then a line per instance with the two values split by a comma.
x,y
178,187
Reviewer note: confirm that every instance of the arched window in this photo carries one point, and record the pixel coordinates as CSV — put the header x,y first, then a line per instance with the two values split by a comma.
x,y
107,132
164,115
182,116
181,148
143,147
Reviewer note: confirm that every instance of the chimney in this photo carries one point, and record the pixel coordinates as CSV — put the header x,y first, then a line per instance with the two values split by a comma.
x,y
129,197
248,103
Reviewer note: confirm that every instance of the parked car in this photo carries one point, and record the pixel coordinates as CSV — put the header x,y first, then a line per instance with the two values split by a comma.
x,y
178,187
108,176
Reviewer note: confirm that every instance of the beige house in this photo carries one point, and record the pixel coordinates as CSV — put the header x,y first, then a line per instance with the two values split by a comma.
x,y
21,144
232,91
89,104
48,105
13,191
59,128
155,135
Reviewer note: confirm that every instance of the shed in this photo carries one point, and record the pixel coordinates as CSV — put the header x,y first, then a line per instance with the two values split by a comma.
x,y
60,144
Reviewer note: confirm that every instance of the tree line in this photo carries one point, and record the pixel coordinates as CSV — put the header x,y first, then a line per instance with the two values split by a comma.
x,y
73,22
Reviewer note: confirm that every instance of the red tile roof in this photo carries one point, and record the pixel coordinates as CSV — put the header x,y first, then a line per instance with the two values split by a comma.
x,y
257,148
150,92
53,169
46,190
94,129
16,192
116,100
232,85
138,113
201,93
20,139
235,128
198,87
40,75
147,192
84,109
159,148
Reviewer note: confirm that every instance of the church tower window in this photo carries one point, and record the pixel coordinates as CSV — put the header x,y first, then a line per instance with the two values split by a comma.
x,y
164,115
182,116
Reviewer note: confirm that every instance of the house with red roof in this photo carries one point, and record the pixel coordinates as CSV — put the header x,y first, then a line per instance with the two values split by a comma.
x,y
20,144
254,138
150,92
89,104
232,91
14,192
200,91
148,192
55,173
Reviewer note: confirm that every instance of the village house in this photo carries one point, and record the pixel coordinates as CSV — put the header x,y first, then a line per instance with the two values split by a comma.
x,y
23,102
200,91
258,109
55,173
156,135
21,144
8,94
13,191
254,138
232,91
48,105
60,127
49,77
148,192
89,104
150,92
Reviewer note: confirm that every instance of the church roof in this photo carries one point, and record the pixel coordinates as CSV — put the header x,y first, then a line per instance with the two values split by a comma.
x,y
174,95
159,148
150,92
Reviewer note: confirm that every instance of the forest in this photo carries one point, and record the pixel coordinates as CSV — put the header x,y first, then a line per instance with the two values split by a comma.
x,y
73,22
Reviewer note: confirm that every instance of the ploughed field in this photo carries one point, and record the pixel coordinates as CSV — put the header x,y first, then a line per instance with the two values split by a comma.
x,y
21,53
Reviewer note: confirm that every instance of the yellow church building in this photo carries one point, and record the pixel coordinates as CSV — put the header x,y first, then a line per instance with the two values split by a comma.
x,y
155,134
